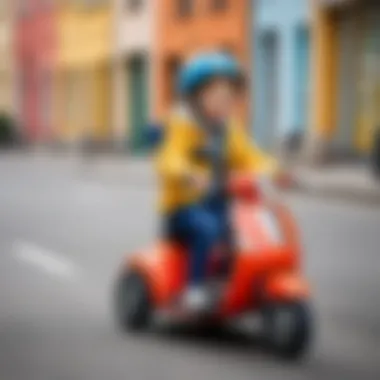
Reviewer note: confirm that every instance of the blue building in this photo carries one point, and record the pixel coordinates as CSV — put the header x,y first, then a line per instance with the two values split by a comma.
x,y
281,69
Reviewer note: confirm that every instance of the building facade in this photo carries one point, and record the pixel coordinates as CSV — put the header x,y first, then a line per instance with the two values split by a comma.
x,y
281,67
83,76
346,89
35,42
185,27
133,65
7,73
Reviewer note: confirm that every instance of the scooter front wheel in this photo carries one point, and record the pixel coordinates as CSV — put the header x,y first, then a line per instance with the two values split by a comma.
x,y
133,306
288,328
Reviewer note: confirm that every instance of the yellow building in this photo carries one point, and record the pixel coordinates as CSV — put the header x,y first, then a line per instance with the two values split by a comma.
x,y
6,61
346,74
83,78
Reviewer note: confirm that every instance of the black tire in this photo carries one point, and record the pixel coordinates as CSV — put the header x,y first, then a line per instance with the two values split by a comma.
x,y
133,305
288,329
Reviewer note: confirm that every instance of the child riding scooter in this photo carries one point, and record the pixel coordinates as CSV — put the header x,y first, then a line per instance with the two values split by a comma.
x,y
210,86
215,207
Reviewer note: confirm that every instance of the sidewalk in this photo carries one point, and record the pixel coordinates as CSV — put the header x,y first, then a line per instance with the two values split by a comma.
x,y
351,182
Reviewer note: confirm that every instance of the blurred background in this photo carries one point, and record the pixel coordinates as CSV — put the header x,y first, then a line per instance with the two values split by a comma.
x,y
94,74
81,81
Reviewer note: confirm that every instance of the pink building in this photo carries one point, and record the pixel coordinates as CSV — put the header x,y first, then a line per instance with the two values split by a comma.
x,y
34,59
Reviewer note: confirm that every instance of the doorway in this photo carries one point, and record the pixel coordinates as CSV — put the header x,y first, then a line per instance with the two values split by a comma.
x,y
368,120
301,85
268,71
348,65
138,101
173,66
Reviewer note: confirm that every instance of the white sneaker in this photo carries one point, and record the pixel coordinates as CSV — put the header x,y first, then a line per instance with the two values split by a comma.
x,y
196,299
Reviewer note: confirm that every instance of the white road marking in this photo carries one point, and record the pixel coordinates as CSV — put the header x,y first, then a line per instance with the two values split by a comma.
x,y
48,261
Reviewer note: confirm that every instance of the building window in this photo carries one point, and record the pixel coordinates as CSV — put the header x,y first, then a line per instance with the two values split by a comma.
x,y
226,49
219,5
3,9
134,5
89,4
184,7
24,9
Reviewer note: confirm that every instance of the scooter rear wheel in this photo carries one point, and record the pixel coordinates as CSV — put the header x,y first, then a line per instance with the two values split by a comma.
x,y
288,329
133,306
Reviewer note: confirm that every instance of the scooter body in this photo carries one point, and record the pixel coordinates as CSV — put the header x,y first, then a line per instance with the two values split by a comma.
x,y
266,268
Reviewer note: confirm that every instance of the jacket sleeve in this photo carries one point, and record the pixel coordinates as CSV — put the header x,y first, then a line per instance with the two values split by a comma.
x,y
247,156
173,159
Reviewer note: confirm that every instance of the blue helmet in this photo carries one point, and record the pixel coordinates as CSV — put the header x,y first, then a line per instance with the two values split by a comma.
x,y
204,67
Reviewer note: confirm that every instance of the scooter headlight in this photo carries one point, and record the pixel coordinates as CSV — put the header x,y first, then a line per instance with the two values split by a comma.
x,y
271,226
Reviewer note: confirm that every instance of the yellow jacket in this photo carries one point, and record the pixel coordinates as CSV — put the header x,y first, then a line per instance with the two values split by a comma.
x,y
176,159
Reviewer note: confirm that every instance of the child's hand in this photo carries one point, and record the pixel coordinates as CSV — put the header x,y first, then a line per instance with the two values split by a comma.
x,y
285,180
200,182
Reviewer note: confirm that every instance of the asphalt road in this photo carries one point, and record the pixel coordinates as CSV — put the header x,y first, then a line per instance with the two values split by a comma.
x,y
63,231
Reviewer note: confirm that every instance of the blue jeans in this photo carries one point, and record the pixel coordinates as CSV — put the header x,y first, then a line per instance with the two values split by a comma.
x,y
200,227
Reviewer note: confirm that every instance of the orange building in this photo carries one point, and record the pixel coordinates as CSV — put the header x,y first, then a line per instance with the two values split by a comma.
x,y
188,26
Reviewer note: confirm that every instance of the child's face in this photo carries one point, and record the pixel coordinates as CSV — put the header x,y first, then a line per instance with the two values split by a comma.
x,y
218,99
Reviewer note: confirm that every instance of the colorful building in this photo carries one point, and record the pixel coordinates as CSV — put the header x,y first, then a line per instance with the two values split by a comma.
x,y
7,74
35,42
185,27
281,60
346,73
83,75
133,70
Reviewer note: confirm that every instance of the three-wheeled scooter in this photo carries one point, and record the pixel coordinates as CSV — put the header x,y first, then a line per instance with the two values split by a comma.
x,y
265,277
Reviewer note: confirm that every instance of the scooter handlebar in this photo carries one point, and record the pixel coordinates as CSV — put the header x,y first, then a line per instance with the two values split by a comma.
x,y
244,186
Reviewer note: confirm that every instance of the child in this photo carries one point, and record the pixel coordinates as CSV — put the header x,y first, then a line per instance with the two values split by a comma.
x,y
192,198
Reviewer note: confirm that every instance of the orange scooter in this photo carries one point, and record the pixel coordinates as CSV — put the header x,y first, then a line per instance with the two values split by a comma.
x,y
265,276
